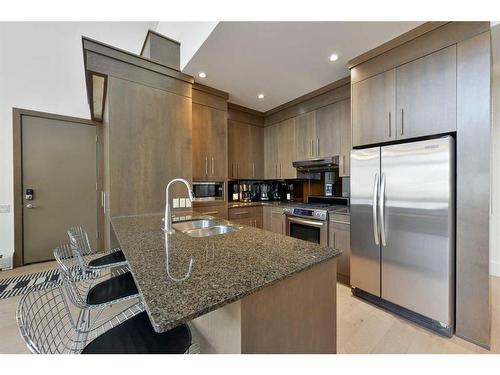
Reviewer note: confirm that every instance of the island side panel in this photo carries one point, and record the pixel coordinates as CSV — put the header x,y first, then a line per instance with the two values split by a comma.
x,y
295,315
219,331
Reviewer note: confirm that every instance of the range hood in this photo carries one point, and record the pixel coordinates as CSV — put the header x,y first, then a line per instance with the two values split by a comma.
x,y
326,164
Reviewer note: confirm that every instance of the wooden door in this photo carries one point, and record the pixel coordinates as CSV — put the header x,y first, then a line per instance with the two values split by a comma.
x,y
238,145
59,165
305,136
328,124
373,109
277,222
427,95
209,143
340,238
286,139
271,151
256,151
344,109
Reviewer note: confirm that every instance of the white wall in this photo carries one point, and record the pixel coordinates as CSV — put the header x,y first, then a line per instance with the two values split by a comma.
x,y
495,145
191,35
41,68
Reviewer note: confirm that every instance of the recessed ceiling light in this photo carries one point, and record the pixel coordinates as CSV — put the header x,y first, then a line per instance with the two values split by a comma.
x,y
260,96
334,57
202,75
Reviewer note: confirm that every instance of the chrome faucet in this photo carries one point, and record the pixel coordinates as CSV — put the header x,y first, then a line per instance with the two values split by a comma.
x,y
168,211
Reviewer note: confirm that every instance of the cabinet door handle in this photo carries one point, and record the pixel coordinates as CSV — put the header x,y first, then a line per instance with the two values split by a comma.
x,y
390,125
237,169
311,148
276,170
206,165
210,213
334,242
402,121
232,169
213,166
343,164
317,146
280,170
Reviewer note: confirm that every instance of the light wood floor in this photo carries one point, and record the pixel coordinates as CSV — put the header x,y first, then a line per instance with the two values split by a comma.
x,y
362,328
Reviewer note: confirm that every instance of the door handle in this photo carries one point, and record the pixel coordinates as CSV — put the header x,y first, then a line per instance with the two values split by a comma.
x,y
30,206
381,203
374,209
390,124
402,121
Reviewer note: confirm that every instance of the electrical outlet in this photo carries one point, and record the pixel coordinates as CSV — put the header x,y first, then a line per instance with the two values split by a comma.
x,y
4,208
175,202
188,203
182,202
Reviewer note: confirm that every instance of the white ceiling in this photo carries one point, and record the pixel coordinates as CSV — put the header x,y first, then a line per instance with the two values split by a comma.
x,y
283,60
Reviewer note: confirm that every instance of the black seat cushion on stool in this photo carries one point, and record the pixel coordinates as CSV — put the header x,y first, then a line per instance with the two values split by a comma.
x,y
115,257
137,336
112,289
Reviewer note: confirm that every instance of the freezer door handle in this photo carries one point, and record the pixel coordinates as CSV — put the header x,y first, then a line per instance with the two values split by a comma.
x,y
374,209
381,202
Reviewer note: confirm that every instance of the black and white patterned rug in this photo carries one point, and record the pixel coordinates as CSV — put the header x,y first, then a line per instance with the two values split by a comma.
x,y
15,286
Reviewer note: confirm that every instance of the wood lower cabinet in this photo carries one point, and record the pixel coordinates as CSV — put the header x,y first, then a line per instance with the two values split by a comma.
x,y
274,220
209,143
340,238
252,216
219,211
426,95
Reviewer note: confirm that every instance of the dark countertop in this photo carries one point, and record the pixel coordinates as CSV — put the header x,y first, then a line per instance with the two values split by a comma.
x,y
341,210
225,267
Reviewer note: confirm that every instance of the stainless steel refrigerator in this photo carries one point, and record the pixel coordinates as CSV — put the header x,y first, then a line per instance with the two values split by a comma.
x,y
403,229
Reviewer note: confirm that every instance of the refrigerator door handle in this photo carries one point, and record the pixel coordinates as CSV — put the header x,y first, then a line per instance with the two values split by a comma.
x,y
381,210
374,209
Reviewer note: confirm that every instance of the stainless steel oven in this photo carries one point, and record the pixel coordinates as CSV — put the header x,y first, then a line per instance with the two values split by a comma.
x,y
209,191
307,224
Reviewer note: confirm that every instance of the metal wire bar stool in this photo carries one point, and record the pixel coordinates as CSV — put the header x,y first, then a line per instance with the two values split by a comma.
x,y
93,289
47,326
91,260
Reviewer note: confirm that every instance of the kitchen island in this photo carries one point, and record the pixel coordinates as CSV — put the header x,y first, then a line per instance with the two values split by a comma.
x,y
251,291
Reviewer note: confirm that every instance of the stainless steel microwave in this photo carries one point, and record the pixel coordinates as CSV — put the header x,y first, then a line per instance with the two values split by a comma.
x,y
208,191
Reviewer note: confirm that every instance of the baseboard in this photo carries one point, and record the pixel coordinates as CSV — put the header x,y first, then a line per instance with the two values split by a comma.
x,y
495,268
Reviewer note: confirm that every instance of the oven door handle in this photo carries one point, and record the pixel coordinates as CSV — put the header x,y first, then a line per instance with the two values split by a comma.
x,y
306,222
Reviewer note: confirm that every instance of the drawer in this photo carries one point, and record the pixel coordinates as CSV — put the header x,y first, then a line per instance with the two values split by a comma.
x,y
243,212
338,218
218,211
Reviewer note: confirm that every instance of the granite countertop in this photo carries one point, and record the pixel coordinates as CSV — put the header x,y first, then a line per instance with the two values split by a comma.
x,y
342,210
225,268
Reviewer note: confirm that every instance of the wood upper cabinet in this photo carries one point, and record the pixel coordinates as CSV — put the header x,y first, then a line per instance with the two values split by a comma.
x,y
246,151
209,143
426,95
305,136
285,141
271,152
344,113
374,109
328,121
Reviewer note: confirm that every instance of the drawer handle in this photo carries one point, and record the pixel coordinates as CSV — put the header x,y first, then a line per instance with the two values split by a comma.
x,y
210,213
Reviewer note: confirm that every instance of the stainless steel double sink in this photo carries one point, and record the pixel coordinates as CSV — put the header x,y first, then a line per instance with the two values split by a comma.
x,y
204,227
